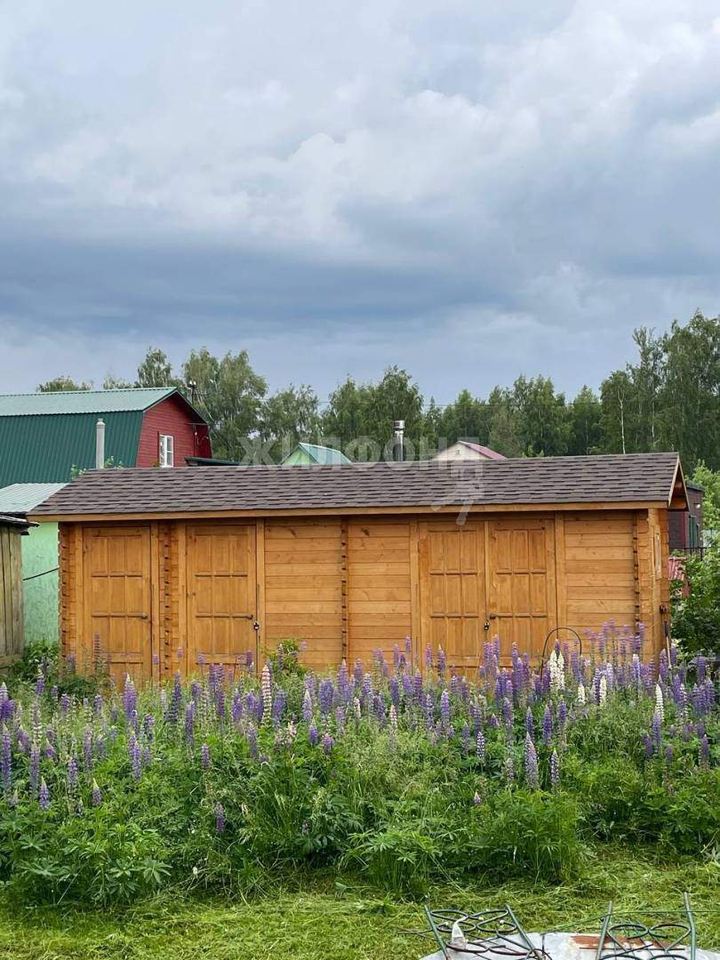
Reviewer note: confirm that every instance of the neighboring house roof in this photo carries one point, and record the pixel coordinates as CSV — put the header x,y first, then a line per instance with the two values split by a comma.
x,y
319,454
82,401
483,451
19,522
44,435
19,498
651,477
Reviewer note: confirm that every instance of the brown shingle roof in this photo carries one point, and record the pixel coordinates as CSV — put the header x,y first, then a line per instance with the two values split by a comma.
x,y
604,479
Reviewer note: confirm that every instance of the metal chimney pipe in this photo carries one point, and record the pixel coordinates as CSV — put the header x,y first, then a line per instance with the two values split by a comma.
x,y
100,445
398,433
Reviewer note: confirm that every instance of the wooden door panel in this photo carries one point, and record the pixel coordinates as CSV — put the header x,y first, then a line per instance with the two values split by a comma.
x,y
222,588
452,589
521,582
118,599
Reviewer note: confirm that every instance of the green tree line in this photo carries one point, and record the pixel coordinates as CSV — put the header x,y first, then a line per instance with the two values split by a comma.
x,y
667,399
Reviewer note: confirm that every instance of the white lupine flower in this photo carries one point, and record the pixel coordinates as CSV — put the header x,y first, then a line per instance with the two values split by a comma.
x,y
357,708
602,690
659,701
393,720
266,688
581,694
556,669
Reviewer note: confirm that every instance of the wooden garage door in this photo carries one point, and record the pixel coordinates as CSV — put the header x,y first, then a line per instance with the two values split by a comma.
x,y
221,592
452,578
521,583
117,602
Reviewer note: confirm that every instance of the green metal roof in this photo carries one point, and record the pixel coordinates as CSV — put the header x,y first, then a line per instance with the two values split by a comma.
x,y
21,497
45,448
315,454
81,401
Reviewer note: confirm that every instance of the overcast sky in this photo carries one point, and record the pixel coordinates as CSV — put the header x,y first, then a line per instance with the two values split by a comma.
x,y
469,189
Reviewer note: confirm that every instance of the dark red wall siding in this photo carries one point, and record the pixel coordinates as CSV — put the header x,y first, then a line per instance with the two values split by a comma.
x,y
172,417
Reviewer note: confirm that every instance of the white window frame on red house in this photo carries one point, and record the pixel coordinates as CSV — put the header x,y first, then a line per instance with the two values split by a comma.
x,y
167,450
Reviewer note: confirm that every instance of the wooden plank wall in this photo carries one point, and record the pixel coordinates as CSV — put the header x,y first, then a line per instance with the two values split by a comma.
x,y
599,570
11,596
303,560
379,589
347,587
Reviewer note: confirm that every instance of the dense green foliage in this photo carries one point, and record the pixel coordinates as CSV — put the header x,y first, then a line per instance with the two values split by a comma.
x,y
385,776
668,400
696,617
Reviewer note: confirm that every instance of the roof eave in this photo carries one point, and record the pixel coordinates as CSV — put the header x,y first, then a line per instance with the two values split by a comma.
x,y
678,496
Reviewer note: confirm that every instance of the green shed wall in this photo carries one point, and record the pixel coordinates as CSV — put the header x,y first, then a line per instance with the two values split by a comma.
x,y
40,595
298,458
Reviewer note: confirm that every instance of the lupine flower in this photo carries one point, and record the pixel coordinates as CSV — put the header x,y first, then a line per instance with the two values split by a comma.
x,y
509,770
480,746
548,725
441,662
657,724
531,764
252,739
219,818
72,774
648,744
205,756
477,799
393,721
278,706
266,688
327,744
445,707
704,751
582,699
44,795
135,758
529,723
96,794
326,695
555,770
659,702
190,721
313,735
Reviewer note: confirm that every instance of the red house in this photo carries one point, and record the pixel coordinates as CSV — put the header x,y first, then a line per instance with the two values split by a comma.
x,y
51,437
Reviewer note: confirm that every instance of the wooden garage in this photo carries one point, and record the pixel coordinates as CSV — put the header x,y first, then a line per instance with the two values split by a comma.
x,y
165,569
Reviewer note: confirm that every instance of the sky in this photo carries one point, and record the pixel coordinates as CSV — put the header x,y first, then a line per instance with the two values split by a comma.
x,y
469,190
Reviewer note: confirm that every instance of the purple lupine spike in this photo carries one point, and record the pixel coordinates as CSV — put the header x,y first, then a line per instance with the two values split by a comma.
x,y
326,695
44,795
465,739
34,774
98,704
205,756
509,770
64,704
480,746
441,663
673,655
219,818
358,671
507,709
278,707
529,723
548,725
700,667
87,749
307,707
531,764
340,720
190,721
408,646
135,757
394,688
327,744
454,684
96,795
343,682
220,709
445,707
709,688
663,667
669,754
493,721
417,686
562,714
657,730
72,774
252,739
6,760
648,745
236,708
313,735
407,685
428,658
129,697
704,751
396,655
555,770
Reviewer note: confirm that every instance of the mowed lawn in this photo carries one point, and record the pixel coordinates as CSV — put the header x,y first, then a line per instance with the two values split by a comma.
x,y
318,922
